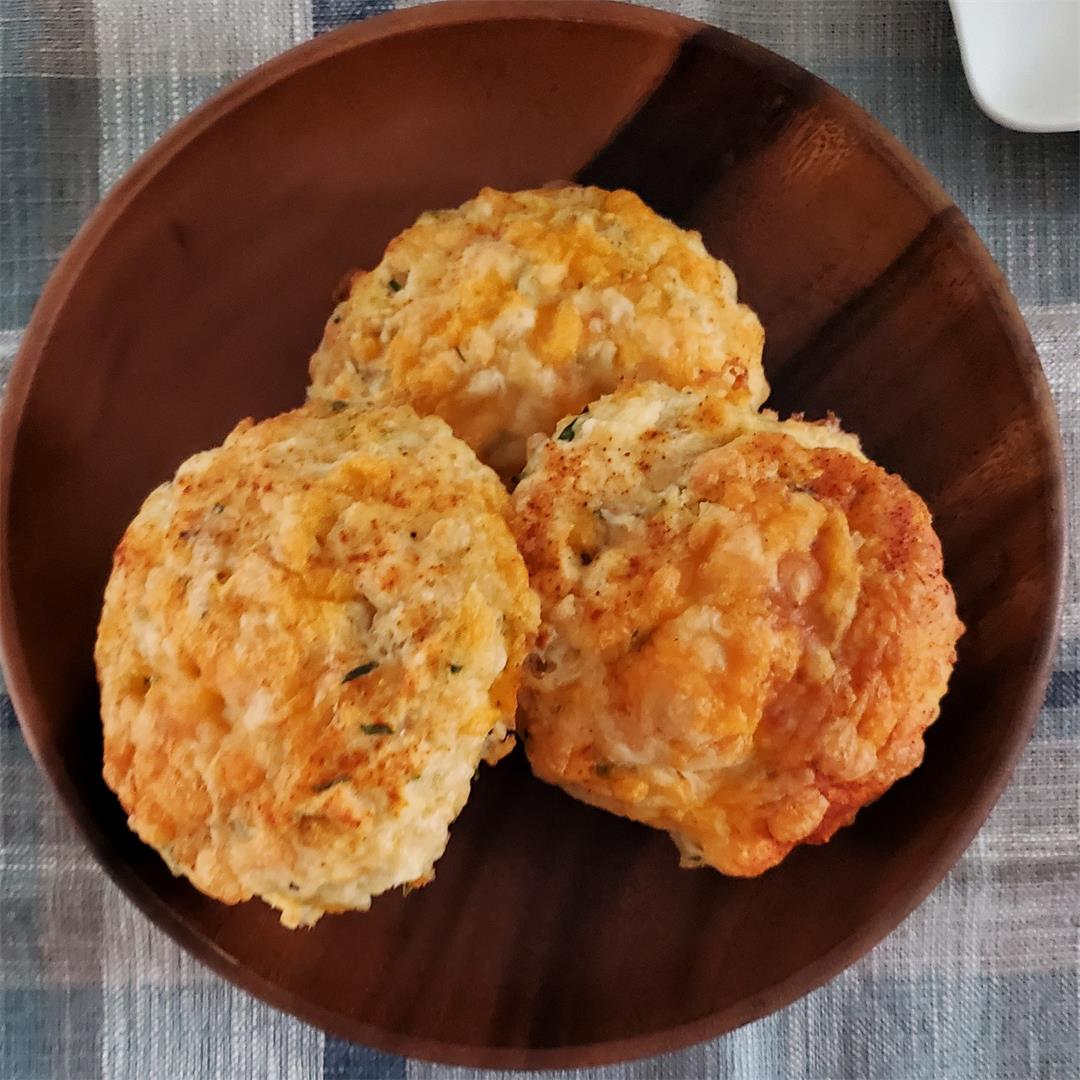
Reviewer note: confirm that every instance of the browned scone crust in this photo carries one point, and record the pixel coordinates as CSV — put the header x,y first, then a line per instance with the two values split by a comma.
x,y
310,639
514,309
746,627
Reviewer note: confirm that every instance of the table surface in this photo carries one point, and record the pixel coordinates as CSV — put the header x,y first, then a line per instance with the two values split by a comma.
x,y
981,981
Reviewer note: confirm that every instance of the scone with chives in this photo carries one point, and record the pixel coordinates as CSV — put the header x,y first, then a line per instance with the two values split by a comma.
x,y
745,629
515,309
311,638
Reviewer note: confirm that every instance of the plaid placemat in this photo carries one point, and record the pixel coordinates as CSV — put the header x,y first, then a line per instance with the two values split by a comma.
x,y
980,982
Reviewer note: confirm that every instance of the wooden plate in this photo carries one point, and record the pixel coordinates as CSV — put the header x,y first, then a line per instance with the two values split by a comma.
x,y
554,934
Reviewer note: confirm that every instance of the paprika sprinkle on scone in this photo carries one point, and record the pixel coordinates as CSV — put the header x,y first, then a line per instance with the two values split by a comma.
x,y
311,638
745,624
516,309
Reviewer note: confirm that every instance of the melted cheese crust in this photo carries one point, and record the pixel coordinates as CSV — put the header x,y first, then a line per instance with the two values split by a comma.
x,y
516,309
745,624
311,637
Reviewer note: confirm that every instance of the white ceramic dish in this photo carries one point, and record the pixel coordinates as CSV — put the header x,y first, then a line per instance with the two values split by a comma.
x,y
1022,60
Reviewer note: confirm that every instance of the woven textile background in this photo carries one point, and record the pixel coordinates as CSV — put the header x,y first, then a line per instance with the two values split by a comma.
x,y
981,982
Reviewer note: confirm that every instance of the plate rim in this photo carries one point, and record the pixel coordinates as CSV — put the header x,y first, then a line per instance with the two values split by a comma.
x,y
93,233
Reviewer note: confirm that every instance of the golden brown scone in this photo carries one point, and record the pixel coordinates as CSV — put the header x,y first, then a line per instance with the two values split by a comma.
x,y
310,639
745,626
516,309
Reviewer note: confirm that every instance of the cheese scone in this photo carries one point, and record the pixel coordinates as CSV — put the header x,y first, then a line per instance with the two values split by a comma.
x,y
745,625
515,309
311,637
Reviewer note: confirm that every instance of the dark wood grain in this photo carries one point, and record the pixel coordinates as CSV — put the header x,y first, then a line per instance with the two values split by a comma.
x,y
553,934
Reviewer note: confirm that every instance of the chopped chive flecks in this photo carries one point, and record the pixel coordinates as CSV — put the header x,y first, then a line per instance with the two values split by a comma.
x,y
338,406
396,286
567,434
377,729
603,768
455,668
327,784
363,669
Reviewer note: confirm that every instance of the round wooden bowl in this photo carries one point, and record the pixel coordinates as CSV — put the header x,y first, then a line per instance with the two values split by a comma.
x,y
554,934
